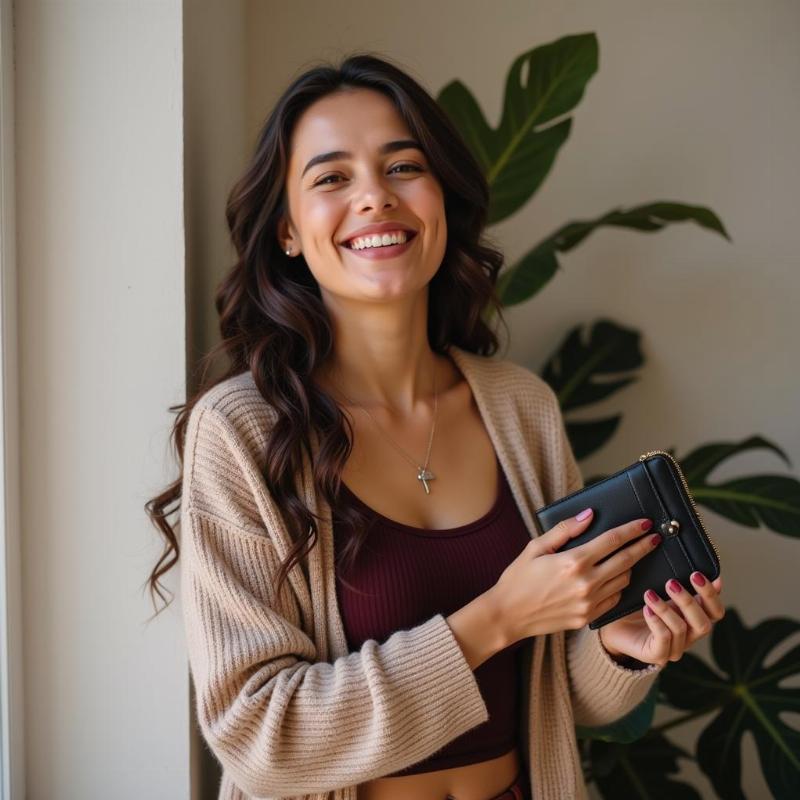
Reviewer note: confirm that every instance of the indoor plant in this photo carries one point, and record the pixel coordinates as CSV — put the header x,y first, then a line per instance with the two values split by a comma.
x,y
737,692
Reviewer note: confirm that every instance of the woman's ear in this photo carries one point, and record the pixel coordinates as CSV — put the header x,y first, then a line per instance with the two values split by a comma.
x,y
284,236
282,233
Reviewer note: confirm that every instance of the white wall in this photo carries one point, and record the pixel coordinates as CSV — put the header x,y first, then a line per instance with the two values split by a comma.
x,y
102,356
694,102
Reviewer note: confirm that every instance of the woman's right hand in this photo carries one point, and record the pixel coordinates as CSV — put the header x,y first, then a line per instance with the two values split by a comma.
x,y
543,591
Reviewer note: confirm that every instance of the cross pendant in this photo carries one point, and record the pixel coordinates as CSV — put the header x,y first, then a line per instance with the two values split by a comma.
x,y
425,475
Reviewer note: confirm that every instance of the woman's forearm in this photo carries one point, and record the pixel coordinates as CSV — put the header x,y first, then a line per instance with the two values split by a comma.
x,y
477,629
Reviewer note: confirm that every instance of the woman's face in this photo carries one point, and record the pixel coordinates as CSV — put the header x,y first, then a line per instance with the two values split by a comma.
x,y
332,199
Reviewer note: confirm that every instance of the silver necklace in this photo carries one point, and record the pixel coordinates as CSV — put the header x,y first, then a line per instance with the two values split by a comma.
x,y
423,473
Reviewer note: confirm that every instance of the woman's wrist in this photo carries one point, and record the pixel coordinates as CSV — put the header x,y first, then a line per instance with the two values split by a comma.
x,y
612,651
620,658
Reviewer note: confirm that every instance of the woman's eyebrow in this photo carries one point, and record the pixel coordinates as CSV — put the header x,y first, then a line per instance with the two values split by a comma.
x,y
335,155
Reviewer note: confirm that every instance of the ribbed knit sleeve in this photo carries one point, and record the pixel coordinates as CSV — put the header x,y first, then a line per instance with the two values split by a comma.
x,y
281,722
602,691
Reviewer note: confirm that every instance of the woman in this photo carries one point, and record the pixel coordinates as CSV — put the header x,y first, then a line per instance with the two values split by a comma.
x,y
367,613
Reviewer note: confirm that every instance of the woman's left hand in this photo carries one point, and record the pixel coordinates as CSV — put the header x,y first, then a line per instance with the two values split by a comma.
x,y
674,626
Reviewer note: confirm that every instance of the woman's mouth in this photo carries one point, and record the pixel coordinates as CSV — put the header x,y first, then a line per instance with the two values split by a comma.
x,y
380,251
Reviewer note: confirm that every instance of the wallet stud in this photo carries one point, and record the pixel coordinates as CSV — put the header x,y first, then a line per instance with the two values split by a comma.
x,y
670,527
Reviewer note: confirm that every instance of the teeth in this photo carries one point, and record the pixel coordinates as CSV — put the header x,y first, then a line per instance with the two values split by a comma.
x,y
378,240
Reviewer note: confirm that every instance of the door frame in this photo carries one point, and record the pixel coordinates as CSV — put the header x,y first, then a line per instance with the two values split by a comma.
x,y
12,734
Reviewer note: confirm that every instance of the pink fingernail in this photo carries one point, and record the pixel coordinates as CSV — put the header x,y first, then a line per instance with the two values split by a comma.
x,y
698,579
584,514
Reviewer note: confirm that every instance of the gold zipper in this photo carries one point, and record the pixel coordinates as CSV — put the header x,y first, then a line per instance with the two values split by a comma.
x,y
688,493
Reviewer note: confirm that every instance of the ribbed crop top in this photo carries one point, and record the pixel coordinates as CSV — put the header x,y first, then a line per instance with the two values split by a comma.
x,y
408,574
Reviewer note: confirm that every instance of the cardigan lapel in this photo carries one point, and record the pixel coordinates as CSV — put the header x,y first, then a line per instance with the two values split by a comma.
x,y
542,659
500,416
329,634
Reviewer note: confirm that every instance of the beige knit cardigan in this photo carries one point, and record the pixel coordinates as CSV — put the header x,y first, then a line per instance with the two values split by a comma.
x,y
283,705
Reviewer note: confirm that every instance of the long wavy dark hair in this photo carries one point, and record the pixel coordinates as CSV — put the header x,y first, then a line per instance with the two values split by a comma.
x,y
274,324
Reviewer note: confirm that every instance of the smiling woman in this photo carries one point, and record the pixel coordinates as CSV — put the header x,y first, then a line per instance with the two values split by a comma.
x,y
331,660
376,182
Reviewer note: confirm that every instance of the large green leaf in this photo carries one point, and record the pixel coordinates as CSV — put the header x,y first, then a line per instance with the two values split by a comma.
x,y
592,435
646,770
580,371
542,84
527,276
648,217
744,695
750,500
520,281
586,369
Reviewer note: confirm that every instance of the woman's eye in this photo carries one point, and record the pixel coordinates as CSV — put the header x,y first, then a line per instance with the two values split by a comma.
x,y
414,167
324,180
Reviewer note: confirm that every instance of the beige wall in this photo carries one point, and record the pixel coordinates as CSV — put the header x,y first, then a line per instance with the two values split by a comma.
x,y
102,356
694,102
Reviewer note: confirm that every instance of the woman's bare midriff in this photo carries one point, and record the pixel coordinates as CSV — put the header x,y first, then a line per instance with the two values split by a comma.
x,y
479,781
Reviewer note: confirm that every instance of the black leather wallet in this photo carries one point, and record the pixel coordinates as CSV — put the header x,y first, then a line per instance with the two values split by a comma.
x,y
653,487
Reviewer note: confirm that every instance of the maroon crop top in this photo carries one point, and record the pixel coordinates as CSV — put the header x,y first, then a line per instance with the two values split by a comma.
x,y
408,574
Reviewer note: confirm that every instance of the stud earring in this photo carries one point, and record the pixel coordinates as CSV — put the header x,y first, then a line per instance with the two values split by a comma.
x,y
288,252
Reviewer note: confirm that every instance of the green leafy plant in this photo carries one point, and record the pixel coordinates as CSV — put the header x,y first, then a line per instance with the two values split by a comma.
x,y
738,692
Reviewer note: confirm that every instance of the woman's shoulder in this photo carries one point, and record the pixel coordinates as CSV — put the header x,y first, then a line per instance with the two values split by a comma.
x,y
224,452
228,430
230,392
236,402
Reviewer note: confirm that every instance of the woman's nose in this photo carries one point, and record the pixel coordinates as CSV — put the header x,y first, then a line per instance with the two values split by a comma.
x,y
376,194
